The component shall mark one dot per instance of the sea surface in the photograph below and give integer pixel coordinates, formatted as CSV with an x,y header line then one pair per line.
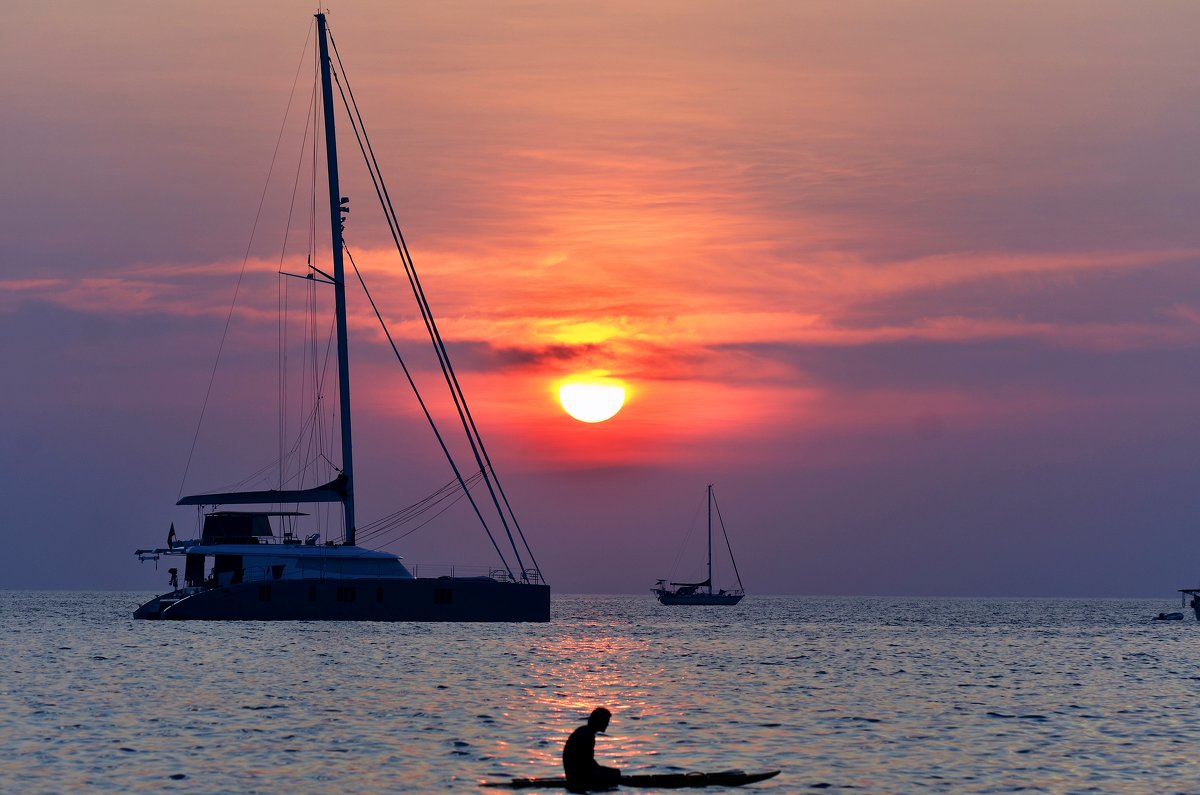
x,y
864,695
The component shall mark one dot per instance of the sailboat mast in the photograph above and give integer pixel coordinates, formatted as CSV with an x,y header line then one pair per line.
x,y
710,538
339,281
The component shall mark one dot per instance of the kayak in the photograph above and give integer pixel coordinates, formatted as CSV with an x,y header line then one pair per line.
x,y
725,778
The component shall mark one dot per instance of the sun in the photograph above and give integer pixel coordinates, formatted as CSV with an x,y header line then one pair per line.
x,y
592,398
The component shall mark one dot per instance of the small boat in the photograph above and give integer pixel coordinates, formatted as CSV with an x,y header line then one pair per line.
x,y
1169,617
702,593
240,568
725,778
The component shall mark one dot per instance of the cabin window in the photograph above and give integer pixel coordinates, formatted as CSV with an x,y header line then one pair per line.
x,y
379,595
443,596
264,593
347,593
312,593
277,571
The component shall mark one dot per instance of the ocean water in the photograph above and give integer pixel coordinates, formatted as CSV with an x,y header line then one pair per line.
x,y
858,695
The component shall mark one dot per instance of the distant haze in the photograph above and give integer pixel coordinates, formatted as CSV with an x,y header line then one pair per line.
x,y
915,285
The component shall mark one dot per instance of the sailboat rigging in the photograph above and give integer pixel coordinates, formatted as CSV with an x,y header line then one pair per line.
x,y
258,575
702,593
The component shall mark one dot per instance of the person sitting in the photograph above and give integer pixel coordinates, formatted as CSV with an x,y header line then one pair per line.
x,y
579,756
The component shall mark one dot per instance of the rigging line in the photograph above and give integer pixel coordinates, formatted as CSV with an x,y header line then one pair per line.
x,y
686,539
727,546
412,512
304,440
261,471
424,408
320,431
381,191
312,370
426,314
258,473
428,416
304,435
316,437
294,452
245,259
281,294
389,524
468,421
283,333
409,511
319,379
418,527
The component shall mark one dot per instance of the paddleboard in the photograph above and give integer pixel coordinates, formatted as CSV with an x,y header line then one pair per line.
x,y
725,778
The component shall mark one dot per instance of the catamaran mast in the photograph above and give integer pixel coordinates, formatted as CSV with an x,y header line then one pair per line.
x,y
339,281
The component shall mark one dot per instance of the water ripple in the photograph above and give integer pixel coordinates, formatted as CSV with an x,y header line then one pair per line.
x,y
872,695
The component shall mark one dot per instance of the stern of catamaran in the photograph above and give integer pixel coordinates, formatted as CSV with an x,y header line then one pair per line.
x,y
1194,602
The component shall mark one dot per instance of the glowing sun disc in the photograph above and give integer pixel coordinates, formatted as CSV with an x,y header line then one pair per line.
x,y
591,402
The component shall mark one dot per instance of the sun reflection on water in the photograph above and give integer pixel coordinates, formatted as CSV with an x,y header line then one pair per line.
x,y
578,673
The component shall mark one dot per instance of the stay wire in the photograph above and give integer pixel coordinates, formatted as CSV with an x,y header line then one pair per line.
x,y
472,433
422,524
727,546
418,293
405,514
463,410
283,287
686,539
424,408
241,274
384,526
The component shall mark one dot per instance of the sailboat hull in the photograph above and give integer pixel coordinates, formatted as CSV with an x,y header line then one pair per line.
x,y
421,599
669,598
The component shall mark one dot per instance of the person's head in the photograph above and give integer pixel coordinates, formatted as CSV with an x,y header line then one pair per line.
x,y
599,718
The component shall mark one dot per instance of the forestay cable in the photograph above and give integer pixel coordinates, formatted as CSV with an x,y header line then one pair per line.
x,y
470,429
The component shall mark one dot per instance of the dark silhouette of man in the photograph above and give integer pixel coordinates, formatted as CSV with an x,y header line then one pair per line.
x,y
579,756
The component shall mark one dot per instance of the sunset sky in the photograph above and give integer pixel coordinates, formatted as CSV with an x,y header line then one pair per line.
x,y
916,285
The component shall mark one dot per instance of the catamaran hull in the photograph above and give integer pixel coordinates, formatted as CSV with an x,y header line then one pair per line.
x,y
441,599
